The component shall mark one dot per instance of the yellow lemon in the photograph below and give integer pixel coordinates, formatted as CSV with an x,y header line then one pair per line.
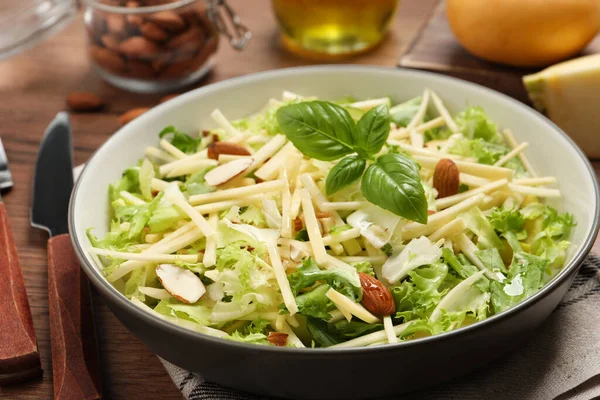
x,y
525,33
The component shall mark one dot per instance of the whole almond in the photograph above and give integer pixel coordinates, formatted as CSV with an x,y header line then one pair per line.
x,y
234,149
140,69
84,101
278,338
130,115
153,32
187,42
377,298
446,178
137,46
110,42
107,59
168,97
116,24
168,20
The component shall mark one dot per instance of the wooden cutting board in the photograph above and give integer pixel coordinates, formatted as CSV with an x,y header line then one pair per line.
x,y
436,50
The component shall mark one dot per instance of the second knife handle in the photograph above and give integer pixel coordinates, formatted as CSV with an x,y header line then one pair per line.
x,y
19,357
75,363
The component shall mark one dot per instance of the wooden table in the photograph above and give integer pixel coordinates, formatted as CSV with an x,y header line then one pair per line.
x,y
33,87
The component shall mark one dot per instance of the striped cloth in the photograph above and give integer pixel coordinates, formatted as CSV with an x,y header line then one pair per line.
x,y
562,362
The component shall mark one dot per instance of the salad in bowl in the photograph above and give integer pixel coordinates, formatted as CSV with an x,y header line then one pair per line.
x,y
333,224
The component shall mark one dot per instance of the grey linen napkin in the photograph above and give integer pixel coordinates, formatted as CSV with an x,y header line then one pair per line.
x,y
562,362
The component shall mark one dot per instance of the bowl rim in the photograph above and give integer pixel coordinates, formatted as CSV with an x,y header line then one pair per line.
x,y
109,290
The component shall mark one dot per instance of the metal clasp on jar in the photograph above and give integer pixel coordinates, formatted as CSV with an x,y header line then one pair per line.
x,y
228,23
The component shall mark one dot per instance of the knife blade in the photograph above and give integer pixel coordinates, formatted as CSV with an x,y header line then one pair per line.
x,y
75,364
19,355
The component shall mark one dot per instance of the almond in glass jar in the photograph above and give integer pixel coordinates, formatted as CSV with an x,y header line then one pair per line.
x,y
155,45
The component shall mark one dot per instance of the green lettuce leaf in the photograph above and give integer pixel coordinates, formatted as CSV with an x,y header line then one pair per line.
x,y
181,140
341,280
315,303
129,182
474,123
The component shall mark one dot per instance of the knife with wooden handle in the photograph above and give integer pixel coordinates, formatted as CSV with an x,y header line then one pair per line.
x,y
19,356
75,364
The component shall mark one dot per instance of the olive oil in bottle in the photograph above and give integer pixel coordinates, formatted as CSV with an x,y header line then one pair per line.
x,y
333,28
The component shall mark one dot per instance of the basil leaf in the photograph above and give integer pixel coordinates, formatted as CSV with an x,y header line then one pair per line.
x,y
373,129
319,129
393,183
345,172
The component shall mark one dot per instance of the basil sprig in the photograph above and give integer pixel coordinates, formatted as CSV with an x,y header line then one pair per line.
x,y
326,131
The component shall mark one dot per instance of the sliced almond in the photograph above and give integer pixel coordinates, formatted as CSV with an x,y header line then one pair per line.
x,y
218,148
278,338
181,283
446,178
297,254
298,224
226,172
377,298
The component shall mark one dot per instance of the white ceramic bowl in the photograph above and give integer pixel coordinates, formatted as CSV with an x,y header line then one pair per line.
x,y
551,152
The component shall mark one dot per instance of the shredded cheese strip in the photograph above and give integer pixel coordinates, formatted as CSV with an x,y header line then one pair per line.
x,y
534,191
292,338
511,154
146,256
469,249
437,220
439,105
472,180
482,170
336,315
431,124
158,154
290,96
286,204
371,338
452,228
225,158
426,153
210,251
512,142
457,198
224,123
342,236
226,204
346,305
343,205
174,195
281,277
546,180
371,259
295,206
168,245
388,326
312,227
131,199
181,322
318,196
366,105
260,156
270,169
418,118
352,247
237,193
416,139
192,167
174,151
166,168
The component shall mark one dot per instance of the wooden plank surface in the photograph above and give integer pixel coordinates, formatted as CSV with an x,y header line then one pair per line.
x,y
33,87
437,50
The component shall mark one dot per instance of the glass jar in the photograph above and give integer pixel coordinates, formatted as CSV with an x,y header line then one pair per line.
x,y
325,29
151,46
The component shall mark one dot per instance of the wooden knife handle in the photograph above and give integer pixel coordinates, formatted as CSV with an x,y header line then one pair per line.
x,y
75,363
19,357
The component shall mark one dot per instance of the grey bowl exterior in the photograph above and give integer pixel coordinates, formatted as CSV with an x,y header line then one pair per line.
x,y
372,372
